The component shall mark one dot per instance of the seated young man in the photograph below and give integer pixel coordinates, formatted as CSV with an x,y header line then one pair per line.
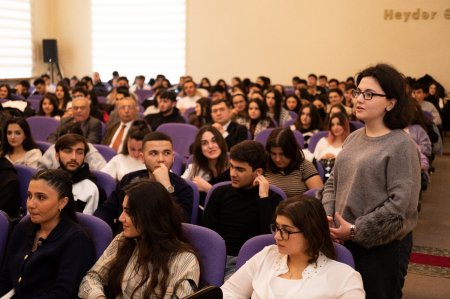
x,y
158,155
245,208
221,114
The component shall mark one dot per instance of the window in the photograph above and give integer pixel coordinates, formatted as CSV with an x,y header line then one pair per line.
x,y
15,39
139,37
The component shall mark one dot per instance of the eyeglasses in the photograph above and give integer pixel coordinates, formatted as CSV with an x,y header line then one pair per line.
x,y
284,233
367,95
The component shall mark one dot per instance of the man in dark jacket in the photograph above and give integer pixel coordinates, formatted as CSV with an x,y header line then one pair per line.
x,y
168,113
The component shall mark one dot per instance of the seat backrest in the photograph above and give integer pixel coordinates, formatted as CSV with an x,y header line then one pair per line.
x,y
142,94
41,126
312,192
4,233
107,182
211,250
177,165
195,202
294,115
188,112
107,152
357,124
43,145
35,100
262,136
215,186
314,139
99,231
182,135
253,246
256,244
24,173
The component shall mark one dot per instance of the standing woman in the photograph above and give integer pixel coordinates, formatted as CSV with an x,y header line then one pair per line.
x,y
48,253
373,191
150,256
49,107
19,146
257,119
274,102
210,160
287,167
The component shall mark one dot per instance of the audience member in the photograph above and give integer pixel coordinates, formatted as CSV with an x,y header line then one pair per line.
x,y
292,103
301,264
152,257
336,97
202,115
49,252
168,112
130,158
9,187
274,102
40,88
419,94
158,158
308,122
18,145
5,92
139,84
287,167
257,119
239,110
49,86
48,107
71,151
63,95
373,198
245,208
190,96
22,89
221,116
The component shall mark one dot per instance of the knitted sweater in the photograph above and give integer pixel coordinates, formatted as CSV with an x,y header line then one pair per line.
x,y
375,184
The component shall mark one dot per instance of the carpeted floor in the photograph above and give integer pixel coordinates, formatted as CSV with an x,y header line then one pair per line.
x,y
430,261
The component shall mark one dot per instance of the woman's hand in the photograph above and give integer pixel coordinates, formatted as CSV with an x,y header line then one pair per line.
x,y
341,233
202,185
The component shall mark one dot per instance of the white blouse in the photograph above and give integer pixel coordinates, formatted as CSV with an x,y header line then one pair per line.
x,y
121,165
323,148
259,278
31,158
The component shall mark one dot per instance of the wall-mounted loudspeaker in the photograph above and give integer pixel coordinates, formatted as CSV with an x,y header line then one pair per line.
x,y
50,49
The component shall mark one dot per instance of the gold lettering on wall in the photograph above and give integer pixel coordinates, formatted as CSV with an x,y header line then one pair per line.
x,y
415,15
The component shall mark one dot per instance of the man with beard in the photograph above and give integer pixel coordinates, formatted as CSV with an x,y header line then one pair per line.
x,y
71,150
168,113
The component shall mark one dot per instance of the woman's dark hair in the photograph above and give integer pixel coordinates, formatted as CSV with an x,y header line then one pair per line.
x,y
316,121
221,82
308,215
60,181
297,107
327,117
394,87
262,109
137,131
284,138
65,87
278,104
53,100
28,142
8,95
206,86
158,220
200,162
205,116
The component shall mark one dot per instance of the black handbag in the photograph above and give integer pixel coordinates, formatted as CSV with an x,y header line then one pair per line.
x,y
208,292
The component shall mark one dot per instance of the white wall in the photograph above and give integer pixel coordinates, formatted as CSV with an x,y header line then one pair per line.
x,y
279,39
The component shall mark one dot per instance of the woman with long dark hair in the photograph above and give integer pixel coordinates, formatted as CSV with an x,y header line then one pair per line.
x,y
257,119
308,122
49,252
274,102
48,106
18,145
302,264
202,115
150,256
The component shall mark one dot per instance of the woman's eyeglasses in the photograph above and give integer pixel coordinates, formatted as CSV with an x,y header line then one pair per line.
x,y
284,233
367,95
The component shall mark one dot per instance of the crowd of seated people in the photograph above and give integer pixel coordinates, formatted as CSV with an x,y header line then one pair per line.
x,y
228,118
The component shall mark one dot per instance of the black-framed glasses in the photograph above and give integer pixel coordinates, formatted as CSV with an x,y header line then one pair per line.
x,y
367,95
284,233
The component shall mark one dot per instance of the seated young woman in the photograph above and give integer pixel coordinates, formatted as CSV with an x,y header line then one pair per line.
x,y
202,114
308,122
257,119
49,252
330,146
274,102
18,144
48,107
130,159
302,264
150,256
287,167
209,161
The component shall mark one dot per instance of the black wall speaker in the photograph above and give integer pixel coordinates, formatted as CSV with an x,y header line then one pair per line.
x,y
50,50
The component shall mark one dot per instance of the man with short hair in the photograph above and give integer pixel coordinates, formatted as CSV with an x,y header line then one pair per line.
x,y
39,87
221,114
115,133
158,155
168,112
49,86
419,93
190,96
336,97
245,208
71,151
139,84
92,128
98,87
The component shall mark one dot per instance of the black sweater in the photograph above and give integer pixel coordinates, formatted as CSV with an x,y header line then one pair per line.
x,y
9,188
239,214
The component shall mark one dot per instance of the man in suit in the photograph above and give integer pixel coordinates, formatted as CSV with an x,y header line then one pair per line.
x,y
91,127
115,133
221,113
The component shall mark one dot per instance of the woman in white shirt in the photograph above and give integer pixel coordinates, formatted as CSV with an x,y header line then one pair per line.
x,y
130,159
19,146
302,263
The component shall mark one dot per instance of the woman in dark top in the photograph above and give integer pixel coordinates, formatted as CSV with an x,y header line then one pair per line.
x,y
48,253
202,115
